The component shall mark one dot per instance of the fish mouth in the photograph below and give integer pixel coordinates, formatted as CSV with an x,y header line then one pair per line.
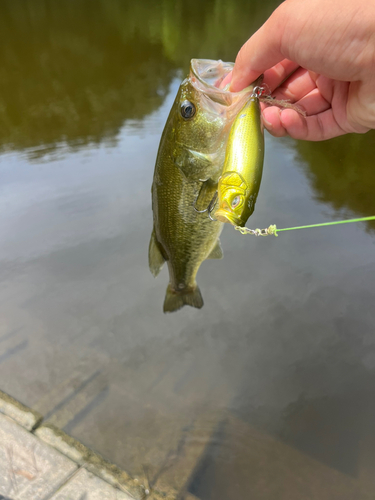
x,y
206,76
223,215
209,72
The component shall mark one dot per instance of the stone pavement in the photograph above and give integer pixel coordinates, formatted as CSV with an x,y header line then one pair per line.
x,y
39,462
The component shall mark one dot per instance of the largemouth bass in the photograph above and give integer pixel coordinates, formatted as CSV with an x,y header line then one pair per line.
x,y
243,165
188,166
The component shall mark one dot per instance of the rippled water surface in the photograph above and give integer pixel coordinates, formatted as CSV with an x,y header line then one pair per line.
x,y
266,392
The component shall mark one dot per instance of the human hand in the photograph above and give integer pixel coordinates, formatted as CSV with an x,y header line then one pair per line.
x,y
320,56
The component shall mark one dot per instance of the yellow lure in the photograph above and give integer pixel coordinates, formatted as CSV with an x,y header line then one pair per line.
x,y
243,165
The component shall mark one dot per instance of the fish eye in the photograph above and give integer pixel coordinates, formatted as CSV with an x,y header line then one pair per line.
x,y
236,201
187,110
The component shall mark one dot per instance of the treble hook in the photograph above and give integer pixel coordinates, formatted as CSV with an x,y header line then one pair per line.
x,y
195,208
209,208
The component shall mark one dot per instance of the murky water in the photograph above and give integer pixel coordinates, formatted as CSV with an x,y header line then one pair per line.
x,y
265,393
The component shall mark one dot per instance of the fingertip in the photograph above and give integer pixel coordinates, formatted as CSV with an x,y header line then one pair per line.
x,y
226,80
242,79
294,123
272,121
267,124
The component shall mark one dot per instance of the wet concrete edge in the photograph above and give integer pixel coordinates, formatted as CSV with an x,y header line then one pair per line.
x,y
24,416
73,449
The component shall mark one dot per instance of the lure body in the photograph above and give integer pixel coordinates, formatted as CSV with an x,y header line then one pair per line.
x,y
243,165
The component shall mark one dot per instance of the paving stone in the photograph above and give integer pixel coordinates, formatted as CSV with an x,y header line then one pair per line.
x,y
82,455
29,419
87,486
29,468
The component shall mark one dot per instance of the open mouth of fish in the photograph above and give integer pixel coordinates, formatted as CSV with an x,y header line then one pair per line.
x,y
206,76
211,72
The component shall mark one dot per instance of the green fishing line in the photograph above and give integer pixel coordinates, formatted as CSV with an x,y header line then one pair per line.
x,y
273,229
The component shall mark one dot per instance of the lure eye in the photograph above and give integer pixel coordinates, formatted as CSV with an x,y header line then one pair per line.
x,y
236,201
187,110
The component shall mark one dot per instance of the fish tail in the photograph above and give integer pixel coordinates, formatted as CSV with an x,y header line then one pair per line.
x,y
175,300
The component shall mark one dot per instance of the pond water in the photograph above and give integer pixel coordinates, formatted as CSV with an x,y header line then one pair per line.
x,y
266,392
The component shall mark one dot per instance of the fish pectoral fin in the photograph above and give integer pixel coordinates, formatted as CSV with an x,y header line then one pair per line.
x,y
175,300
155,256
206,158
206,194
196,165
216,252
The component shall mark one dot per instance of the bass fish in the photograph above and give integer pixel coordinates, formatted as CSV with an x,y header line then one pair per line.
x,y
243,165
188,167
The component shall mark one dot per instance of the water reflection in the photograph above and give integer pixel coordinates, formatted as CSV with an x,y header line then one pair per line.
x,y
267,391
342,174
75,73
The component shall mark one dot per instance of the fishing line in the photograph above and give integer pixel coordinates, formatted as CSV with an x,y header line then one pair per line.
x,y
273,229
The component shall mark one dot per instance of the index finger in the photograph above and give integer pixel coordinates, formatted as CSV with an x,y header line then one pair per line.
x,y
277,75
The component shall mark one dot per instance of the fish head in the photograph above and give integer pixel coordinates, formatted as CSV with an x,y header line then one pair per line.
x,y
203,113
236,199
198,121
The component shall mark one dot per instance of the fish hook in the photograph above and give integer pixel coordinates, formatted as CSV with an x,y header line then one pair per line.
x,y
195,208
210,206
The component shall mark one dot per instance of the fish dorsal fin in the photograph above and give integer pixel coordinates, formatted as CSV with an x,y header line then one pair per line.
x,y
155,256
216,252
206,193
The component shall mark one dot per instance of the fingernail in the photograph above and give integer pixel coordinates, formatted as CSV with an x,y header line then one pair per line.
x,y
267,124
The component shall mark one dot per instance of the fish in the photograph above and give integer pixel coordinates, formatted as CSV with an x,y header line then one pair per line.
x,y
241,176
188,166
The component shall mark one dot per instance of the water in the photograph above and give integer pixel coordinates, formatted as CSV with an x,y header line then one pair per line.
x,y
267,392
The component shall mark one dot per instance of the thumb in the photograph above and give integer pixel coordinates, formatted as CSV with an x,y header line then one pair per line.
x,y
259,53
